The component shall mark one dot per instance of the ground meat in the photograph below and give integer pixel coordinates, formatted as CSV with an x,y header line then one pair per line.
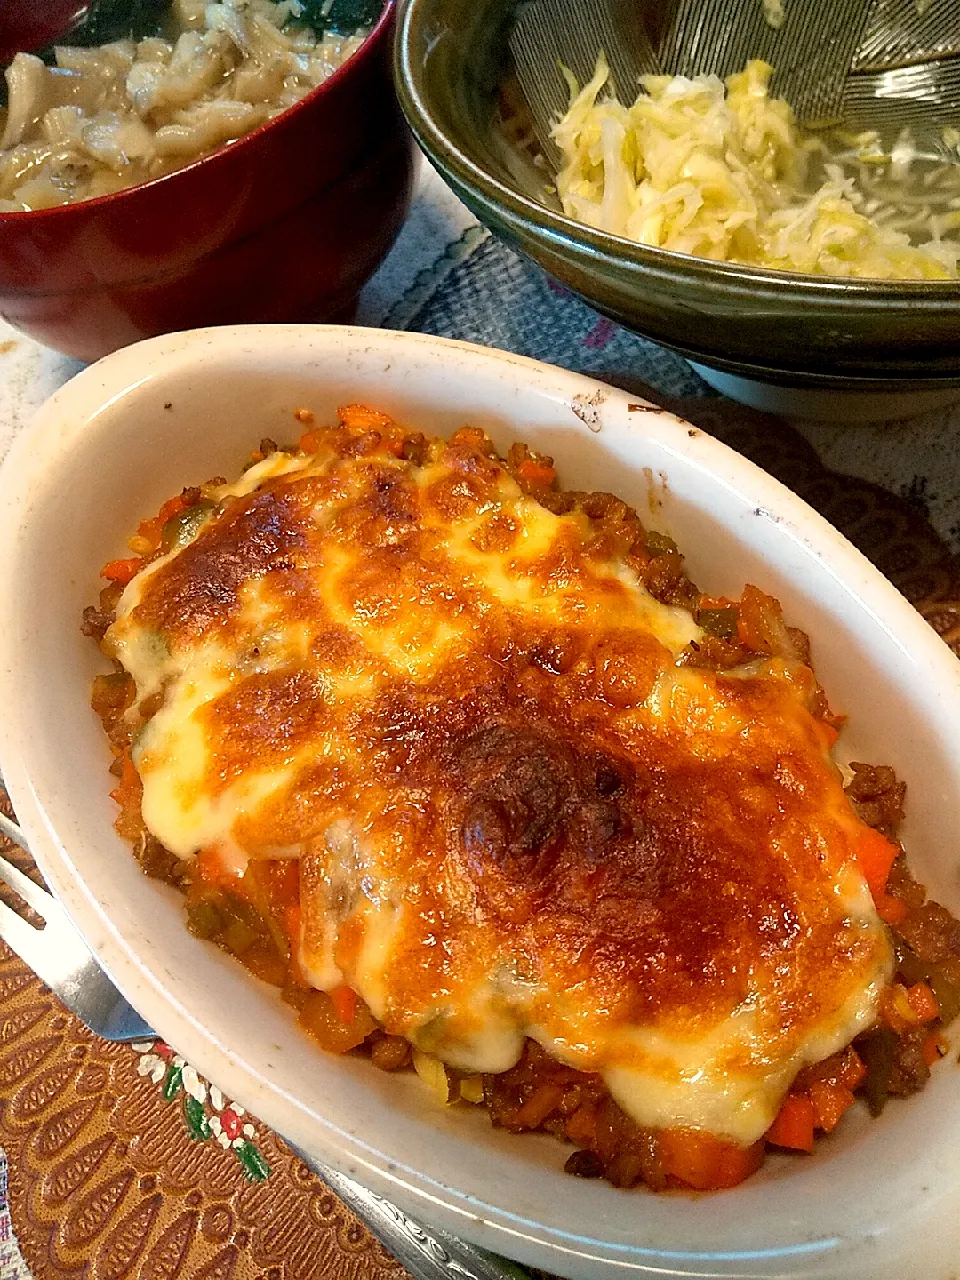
x,y
157,861
95,623
932,932
415,449
902,885
584,1164
909,1072
801,644
389,1053
877,796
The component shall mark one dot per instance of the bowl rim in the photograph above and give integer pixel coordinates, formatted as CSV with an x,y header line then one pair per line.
x,y
97,204
458,165
47,441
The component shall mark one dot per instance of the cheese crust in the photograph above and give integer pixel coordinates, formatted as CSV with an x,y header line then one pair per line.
x,y
517,811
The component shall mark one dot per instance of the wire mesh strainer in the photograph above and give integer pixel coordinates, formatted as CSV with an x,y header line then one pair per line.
x,y
884,65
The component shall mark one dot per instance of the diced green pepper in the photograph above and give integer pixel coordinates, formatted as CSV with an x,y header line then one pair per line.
x,y
184,526
914,970
877,1049
204,919
658,544
721,623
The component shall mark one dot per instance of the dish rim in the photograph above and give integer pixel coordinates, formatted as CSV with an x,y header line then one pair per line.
x,y
49,436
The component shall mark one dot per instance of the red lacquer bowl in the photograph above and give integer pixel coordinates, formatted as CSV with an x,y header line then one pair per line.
x,y
285,224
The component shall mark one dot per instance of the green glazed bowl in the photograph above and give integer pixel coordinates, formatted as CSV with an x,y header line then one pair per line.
x,y
812,332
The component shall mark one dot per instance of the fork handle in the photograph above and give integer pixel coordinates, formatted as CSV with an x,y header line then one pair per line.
x,y
427,1255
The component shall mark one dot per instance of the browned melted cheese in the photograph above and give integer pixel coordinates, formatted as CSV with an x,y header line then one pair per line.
x,y
515,813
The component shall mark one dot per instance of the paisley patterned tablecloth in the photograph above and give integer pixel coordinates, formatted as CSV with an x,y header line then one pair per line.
x,y
120,1162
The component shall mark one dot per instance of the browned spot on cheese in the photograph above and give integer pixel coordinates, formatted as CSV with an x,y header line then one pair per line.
x,y
256,537
267,717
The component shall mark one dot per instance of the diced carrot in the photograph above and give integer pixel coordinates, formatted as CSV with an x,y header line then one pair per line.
x,y
130,787
344,1001
851,1072
152,529
309,442
794,1124
875,856
172,507
291,923
891,910
469,435
923,1002
704,1162
932,1048
581,1127
209,870
896,1010
532,1113
830,1101
361,417
122,571
736,1164
538,474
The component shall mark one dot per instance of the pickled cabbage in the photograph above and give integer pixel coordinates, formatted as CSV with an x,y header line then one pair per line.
x,y
719,169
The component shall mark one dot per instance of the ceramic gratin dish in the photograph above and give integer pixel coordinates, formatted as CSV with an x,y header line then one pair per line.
x,y
880,1198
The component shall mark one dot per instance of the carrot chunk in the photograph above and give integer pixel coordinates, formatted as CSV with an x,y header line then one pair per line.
x,y
851,1072
891,910
923,1002
794,1124
581,1127
875,856
122,571
362,418
535,1109
539,475
344,1001
830,1101
704,1162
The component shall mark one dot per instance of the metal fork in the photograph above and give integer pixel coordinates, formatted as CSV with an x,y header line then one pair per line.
x,y
59,956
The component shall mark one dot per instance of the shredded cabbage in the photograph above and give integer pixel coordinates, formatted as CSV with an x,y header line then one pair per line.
x,y
719,169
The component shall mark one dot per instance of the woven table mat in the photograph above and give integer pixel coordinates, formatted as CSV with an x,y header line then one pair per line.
x,y
105,1179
